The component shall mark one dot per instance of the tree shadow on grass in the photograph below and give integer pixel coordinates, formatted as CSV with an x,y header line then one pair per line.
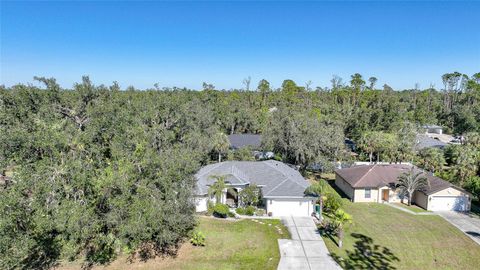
x,y
474,234
329,235
367,255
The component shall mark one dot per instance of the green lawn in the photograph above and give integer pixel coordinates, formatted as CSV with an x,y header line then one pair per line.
x,y
243,244
412,207
386,238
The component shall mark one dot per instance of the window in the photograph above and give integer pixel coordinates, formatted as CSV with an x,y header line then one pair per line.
x,y
368,193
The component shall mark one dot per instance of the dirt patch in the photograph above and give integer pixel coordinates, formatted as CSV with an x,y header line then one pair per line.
x,y
122,263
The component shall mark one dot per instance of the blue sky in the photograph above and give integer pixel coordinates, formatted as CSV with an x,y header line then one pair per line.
x,y
187,43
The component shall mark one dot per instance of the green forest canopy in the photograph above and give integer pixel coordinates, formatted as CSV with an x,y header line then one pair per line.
x,y
97,171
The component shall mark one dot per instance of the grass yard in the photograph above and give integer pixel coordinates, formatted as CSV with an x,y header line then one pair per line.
x,y
243,244
386,238
413,208
312,177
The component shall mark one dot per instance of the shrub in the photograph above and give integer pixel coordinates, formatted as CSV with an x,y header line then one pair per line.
x,y
221,210
327,227
244,153
250,210
210,207
260,212
473,185
250,195
230,214
247,211
240,211
332,202
198,238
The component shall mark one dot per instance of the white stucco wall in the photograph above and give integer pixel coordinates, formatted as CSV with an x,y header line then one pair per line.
x,y
360,195
449,192
394,197
290,206
344,186
201,203
420,199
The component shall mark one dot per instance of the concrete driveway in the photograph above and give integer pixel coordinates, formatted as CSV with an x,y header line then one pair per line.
x,y
467,223
306,250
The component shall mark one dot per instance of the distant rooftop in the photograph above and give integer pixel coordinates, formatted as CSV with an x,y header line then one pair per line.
x,y
424,141
243,140
431,126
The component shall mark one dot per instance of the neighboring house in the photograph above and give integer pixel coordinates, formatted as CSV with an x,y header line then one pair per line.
x,y
433,129
282,187
378,183
238,141
424,141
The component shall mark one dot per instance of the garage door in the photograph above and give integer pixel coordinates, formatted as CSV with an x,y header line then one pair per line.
x,y
290,208
448,203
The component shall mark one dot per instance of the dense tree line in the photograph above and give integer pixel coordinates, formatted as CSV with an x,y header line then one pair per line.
x,y
96,171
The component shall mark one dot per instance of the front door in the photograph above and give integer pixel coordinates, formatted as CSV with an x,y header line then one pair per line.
x,y
385,194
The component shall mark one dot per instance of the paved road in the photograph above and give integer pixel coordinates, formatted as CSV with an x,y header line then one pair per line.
x,y
468,224
306,250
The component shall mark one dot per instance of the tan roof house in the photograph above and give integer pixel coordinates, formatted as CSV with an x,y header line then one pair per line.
x,y
378,183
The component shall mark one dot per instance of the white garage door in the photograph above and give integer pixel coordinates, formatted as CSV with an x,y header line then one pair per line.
x,y
448,203
280,208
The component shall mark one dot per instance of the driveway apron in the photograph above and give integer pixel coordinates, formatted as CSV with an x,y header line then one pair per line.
x,y
468,224
306,250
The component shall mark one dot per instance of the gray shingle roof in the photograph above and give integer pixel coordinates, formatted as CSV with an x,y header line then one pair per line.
x,y
242,140
276,178
431,126
424,141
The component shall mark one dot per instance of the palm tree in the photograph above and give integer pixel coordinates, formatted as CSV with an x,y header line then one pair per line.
x,y
432,159
221,144
340,219
465,163
410,182
376,142
318,189
367,143
216,189
473,138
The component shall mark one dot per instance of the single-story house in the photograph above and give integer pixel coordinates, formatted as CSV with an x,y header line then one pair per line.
x,y
433,129
378,183
282,187
238,141
424,141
